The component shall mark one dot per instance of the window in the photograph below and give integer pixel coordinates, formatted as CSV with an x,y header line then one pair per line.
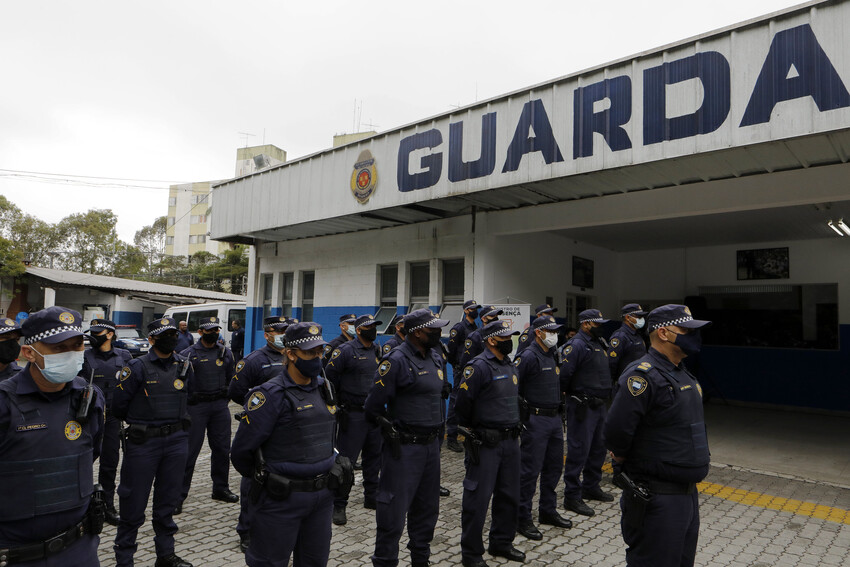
x,y
195,318
197,219
170,221
420,275
308,280
197,239
388,296
169,241
172,201
198,199
287,280
267,295
452,292
236,315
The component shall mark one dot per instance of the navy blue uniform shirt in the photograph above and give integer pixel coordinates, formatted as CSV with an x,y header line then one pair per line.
x,y
132,383
256,368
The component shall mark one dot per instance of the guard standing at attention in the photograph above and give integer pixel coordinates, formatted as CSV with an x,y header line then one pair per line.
x,y
351,370
542,435
398,324
626,342
10,348
184,337
474,343
346,327
285,443
214,366
586,378
257,368
457,336
527,338
51,424
152,398
237,339
103,362
656,434
488,407
407,402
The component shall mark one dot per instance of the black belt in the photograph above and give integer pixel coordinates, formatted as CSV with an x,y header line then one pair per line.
x,y
545,412
52,546
164,430
352,407
418,438
666,487
208,396
501,434
306,485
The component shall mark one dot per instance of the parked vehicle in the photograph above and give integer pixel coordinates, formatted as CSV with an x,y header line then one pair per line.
x,y
130,338
227,311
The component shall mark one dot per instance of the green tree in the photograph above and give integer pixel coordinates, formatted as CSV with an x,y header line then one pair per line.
x,y
11,259
89,242
130,261
150,240
35,239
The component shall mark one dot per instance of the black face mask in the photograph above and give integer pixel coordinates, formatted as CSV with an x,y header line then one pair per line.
x,y
9,351
166,344
209,339
369,333
472,313
505,347
595,332
309,368
690,344
432,338
98,340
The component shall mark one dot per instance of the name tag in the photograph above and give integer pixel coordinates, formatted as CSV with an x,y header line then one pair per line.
x,y
303,408
685,387
204,359
546,368
423,372
31,427
500,377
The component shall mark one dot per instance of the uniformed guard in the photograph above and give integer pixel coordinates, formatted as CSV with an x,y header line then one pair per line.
x,y
457,336
151,397
407,402
346,327
351,370
542,434
10,348
285,443
103,363
51,424
488,413
185,339
527,338
656,434
586,378
237,339
214,367
474,343
627,342
398,324
258,367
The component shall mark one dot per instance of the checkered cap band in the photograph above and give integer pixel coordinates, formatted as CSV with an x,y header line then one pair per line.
x,y
296,342
51,333
209,325
160,330
672,322
496,334
422,326
102,326
594,320
368,323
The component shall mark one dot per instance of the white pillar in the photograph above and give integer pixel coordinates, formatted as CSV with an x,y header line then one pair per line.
x,y
49,297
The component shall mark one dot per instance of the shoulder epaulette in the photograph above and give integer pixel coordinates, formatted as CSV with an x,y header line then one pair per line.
x,y
643,367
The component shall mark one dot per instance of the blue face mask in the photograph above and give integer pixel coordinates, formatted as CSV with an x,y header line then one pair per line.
x,y
690,344
61,368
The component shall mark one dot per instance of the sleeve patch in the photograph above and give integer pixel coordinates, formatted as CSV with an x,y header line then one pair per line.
x,y
453,333
615,343
384,368
467,372
125,373
516,361
467,343
568,349
637,385
387,348
327,349
336,353
240,365
257,400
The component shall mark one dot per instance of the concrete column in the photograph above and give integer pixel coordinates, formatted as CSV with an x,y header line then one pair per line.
x,y
49,297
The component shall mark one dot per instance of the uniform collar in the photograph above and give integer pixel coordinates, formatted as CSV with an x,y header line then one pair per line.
x,y
104,355
288,381
469,325
628,329
662,361
162,361
488,354
540,350
412,349
587,337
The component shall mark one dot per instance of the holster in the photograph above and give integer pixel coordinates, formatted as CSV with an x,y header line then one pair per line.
x,y
636,498
342,417
473,448
341,476
258,480
97,511
524,414
137,433
393,439
581,407
279,487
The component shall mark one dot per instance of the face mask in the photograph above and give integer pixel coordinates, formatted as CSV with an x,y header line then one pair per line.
x,y
594,332
690,343
505,347
165,345
349,330
209,338
473,313
309,368
432,338
97,340
369,333
63,367
278,342
639,323
551,340
9,351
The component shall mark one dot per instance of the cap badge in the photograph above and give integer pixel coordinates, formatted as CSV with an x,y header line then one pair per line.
x,y
505,324
688,311
313,330
66,317
163,321
283,319
9,323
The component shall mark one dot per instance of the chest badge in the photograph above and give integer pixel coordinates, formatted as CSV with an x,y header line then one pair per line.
x,y
515,380
178,384
73,430
331,409
440,374
219,362
637,385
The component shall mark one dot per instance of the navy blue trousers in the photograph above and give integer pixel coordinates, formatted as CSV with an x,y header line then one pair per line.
x,y
209,420
361,436
451,418
496,476
301,524
109,455
669,534
543,458
409,486
157,463
585,450
81,553
243,524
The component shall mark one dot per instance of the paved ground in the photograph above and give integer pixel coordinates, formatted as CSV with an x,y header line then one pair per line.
x,y
749,518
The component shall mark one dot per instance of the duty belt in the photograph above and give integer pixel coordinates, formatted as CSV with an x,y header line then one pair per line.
x,y
52,546
158,430
656,486
419,438
500,434
304,485
544,412
208,396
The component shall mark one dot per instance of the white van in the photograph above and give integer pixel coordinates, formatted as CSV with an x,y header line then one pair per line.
x,y
227,311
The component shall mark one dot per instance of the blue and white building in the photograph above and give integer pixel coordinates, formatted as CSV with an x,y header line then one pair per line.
x,y
706,171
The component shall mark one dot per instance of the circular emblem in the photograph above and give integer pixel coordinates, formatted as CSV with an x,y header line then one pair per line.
x,y
688,311
240,365
439,374
124,373
9,323
66,318
178,384
313,330
364,177
283,319
73,430
453,333
515,380
505,324
384,368
256,401
218,362
331,409
163,321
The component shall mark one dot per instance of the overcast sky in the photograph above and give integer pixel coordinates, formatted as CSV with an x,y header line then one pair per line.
x,y
160,91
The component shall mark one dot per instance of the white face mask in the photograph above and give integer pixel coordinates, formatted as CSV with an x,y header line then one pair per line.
x,y
63,367
639,323
551,340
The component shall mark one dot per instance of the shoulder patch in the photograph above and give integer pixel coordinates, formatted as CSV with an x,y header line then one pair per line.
x,y
256,401
467,372
240,365
327,349
386,348
615,343
516,361
644,366
524,336
384,368
636,384
453,333
568,349
125,373
336,353
467,343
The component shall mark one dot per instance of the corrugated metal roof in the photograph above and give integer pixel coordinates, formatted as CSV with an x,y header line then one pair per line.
x,y
121,284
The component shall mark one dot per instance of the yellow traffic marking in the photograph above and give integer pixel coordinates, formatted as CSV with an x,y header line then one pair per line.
x,y
769,502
